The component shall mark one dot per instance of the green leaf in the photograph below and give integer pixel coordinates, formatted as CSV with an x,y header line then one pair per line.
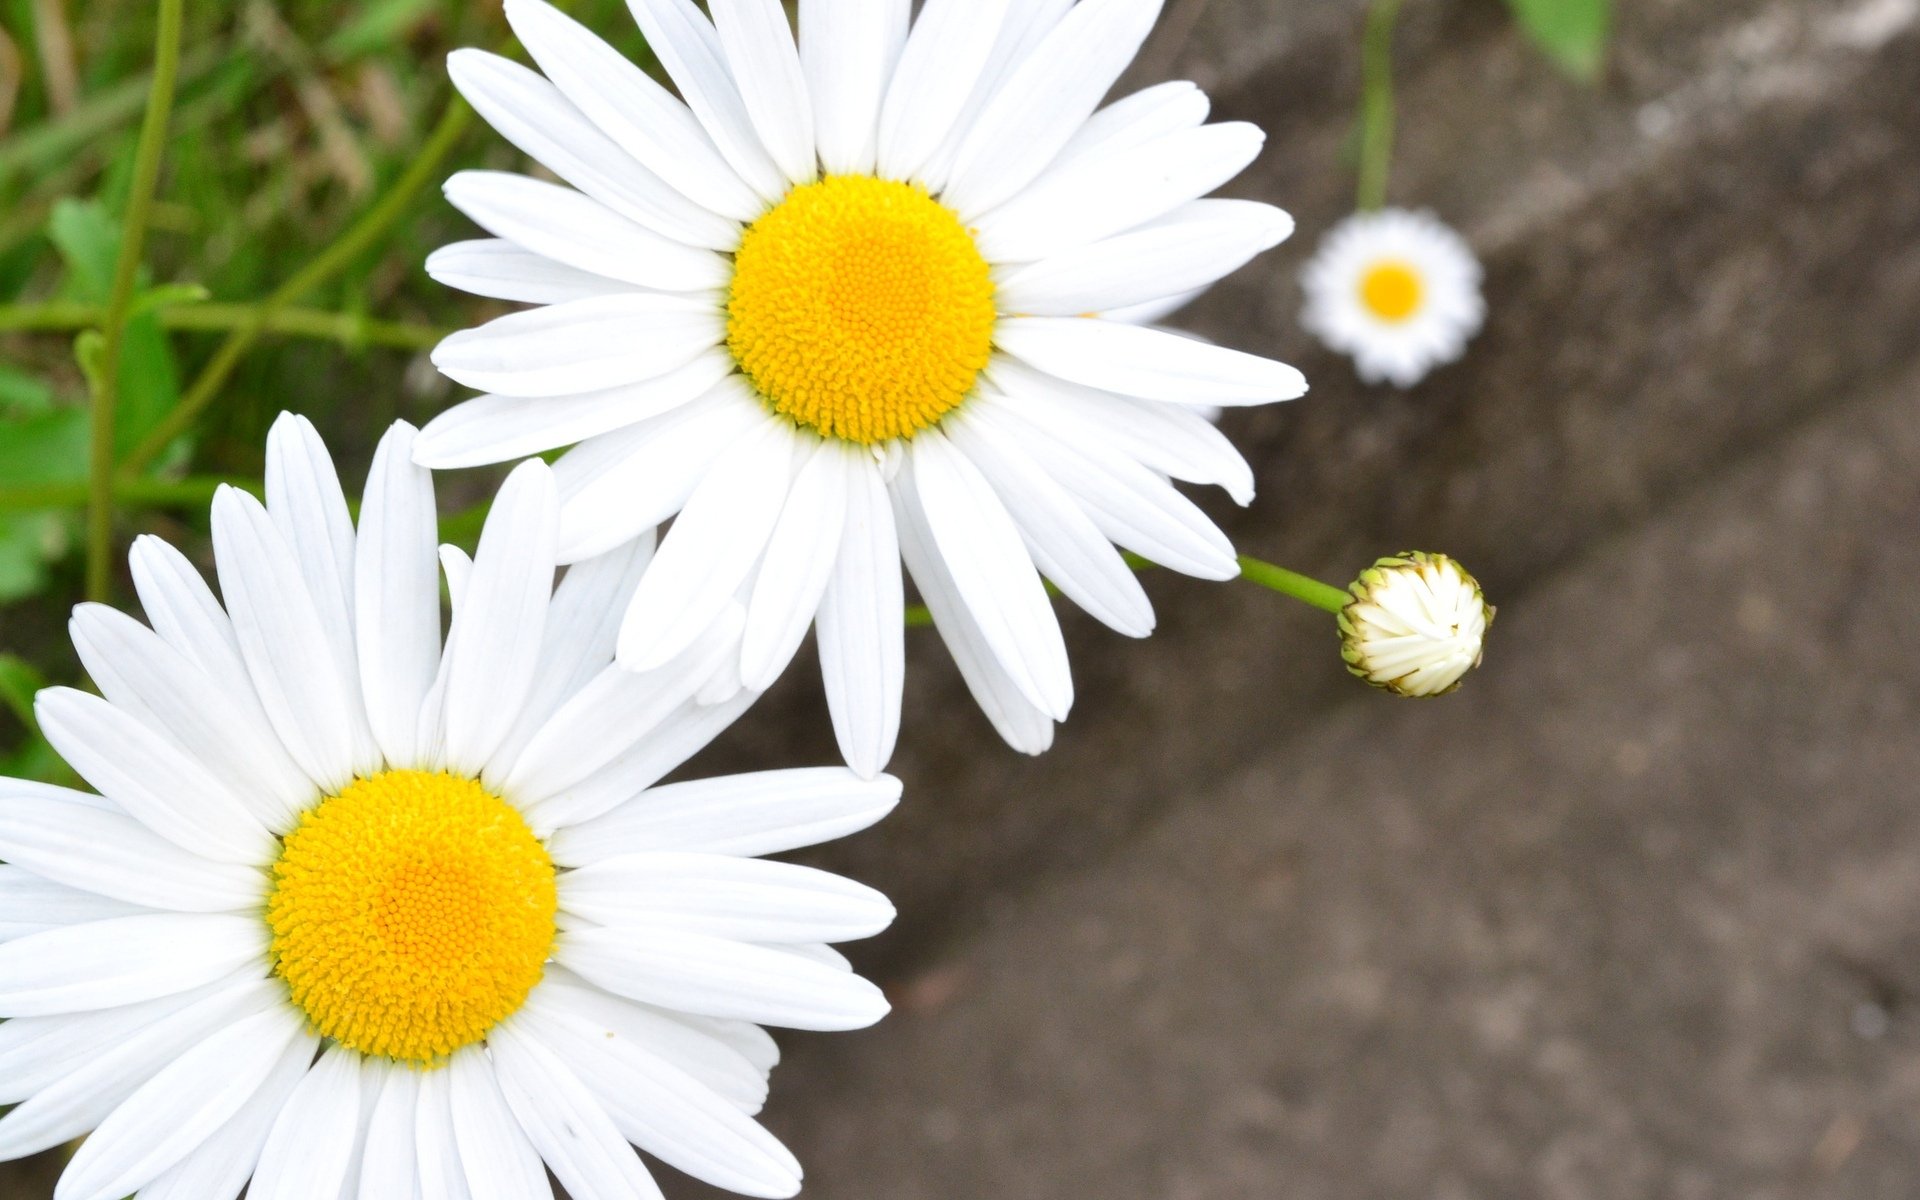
x,y
23,395
49,447
1573,33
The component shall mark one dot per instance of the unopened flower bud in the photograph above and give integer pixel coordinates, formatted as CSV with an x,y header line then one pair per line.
x,y
1415,624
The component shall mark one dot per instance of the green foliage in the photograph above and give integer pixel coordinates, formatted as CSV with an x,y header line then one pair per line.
x,y
1573,33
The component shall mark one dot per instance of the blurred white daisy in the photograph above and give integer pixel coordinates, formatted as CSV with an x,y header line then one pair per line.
x,y
1416,625
1398,291
358,915
880,294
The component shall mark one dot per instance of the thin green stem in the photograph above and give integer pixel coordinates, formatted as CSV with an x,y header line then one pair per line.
x,y
192,492
371,226
126,275
1304,588
1376,105
348,329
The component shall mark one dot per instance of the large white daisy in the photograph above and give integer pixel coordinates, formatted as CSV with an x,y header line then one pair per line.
x,y
875,295
1398,291
358,915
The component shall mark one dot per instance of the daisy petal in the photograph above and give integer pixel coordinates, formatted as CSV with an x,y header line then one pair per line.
x,y
1027,25
684,733
1149,363
793,575
397,595
1189,248
848,49
690,49
184,612
151,778
31,904
766,813
220,1166
716,977
38,1052
493,429
189,1101
712,547
991,570
1130,121
765,66
69,838
1047,99
125,960
943,57
436,1147
703,1047
581,232
1025,727
390,1165
1097,196
533,115
499,269
568,1127
747,899
861,625
308,1152
1066,545
500,1163
584,346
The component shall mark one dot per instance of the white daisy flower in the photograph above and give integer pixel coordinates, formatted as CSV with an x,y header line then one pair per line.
x,y
358,915
1416,625
880,294
1397,290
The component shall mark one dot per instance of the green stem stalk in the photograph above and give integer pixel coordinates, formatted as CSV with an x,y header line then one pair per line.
x,y
189,493
1376,105
126,275
371,226
348,329
1304,588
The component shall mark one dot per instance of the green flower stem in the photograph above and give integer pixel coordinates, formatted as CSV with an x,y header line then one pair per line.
x,y
1304,588
126,275
190,493
346,328
1376,105
363,233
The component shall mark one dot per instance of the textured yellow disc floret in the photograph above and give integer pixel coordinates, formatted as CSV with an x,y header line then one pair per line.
x,y
1392,291
411,914
861,308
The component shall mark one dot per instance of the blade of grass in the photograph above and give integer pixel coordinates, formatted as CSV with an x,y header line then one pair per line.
x,y
348,329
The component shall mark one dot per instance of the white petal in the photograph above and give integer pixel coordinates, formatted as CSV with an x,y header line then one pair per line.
x,y
848,49
1027,25
124,960
1066,545
569,1128
500,1163
1188,248
1172,439
308,1153
492,429
711,548
765,66
32,904
690,50
766,813
494,647
152,778
1097,196
943,57
168,692
861,625
189,1101
96,1081
709,1050
533,115
184,612
397,595
672,742
1048,98
69,838
581,232
991,570
1133,120
1132,505
666,1111
437,1149
793,575
742,898
1154,311
38,1052
284,641
585,346
649,122
1149,363
497,268
389,1169
220,1166
719,978
818,952
616,487
1025,727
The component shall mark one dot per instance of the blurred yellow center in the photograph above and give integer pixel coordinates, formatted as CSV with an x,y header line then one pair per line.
x,y
860,308
411,914
1391,291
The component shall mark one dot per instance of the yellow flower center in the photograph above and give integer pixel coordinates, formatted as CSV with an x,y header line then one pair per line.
x,y
411,914
860,308
1392,291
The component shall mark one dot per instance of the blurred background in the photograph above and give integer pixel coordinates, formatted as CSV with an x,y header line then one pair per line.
x,y
1635,914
